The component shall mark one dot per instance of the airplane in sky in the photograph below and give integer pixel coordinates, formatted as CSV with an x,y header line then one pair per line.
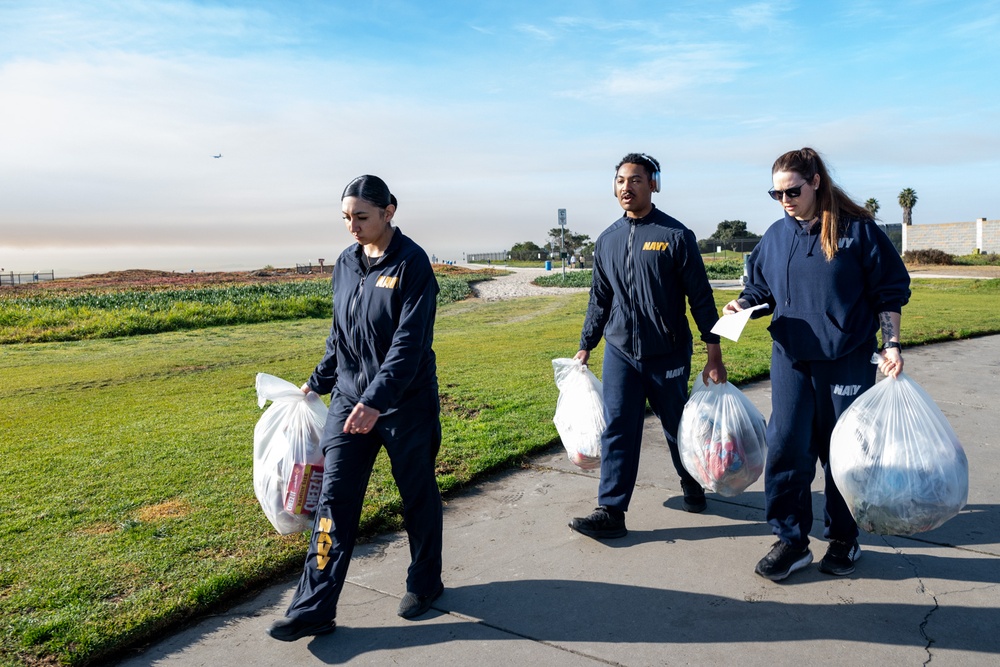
x,y
217,156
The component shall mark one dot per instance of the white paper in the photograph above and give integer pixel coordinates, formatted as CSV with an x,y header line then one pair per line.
x,y
731,326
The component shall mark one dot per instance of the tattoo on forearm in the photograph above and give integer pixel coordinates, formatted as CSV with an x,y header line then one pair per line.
x,y
888,331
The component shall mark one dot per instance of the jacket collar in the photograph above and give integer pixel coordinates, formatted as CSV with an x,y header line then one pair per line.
x,y
394,244
653,212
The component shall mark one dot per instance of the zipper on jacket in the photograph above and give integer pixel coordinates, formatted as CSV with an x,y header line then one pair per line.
x,y
359,378
630,278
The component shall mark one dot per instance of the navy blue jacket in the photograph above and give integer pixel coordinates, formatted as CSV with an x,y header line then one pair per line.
x,y
643,270
824,310
379,349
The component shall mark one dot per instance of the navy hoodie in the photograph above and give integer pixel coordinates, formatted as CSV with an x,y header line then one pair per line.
x,y
820,309
379,349
643,269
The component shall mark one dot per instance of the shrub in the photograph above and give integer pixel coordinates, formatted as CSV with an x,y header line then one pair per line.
x,y
929,256
727,269
573,278
983,259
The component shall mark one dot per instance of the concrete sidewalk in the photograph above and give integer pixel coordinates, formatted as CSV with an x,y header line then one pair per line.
x,y
522,589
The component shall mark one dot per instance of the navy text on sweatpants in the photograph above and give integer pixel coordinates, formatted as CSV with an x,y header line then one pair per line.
x,y
628,383
807,397
412,437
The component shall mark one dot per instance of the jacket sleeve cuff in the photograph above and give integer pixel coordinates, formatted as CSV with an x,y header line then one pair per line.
x,y
890,307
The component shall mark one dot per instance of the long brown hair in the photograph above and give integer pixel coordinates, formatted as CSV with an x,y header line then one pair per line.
x,y
832,203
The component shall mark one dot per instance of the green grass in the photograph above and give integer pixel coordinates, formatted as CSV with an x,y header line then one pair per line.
x,y
128,502
721,270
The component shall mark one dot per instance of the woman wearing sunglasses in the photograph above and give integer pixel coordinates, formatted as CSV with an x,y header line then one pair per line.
x,y
831,278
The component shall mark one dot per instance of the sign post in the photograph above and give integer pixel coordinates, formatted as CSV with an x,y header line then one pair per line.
x,y
562,241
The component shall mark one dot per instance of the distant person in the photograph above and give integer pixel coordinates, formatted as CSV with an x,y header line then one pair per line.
x,y
645,265
381,374
832,278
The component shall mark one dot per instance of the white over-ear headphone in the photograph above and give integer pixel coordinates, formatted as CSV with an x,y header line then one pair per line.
x,y
654,180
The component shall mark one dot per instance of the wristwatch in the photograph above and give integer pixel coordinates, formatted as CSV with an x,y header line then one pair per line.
x,y
892,343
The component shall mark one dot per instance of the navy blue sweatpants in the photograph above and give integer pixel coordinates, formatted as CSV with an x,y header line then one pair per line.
x,y
807,397
627,385
411,437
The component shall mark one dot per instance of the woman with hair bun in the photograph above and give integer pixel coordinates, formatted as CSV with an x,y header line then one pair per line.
x,y
381,374
832,278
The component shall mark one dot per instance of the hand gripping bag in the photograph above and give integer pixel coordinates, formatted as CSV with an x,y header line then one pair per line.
x,y
287,460
722,438
579,415
896,460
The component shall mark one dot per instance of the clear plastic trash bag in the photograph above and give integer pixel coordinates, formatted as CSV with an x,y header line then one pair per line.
x,y
287,460
722,438
579,415
897,461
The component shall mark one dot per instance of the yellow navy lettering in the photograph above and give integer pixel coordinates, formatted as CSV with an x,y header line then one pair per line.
x,y
655,245
323,543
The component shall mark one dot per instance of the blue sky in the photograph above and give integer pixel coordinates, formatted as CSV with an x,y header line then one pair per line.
x,y
484,118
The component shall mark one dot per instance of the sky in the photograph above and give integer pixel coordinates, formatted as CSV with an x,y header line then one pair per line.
x,y
484,118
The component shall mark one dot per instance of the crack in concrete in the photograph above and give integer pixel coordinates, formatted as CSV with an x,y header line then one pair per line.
x,y
929,641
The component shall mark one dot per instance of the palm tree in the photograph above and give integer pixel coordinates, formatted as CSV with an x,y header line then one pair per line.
x,y
872,206
907,200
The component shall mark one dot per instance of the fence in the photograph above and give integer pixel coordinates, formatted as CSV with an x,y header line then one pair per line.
x,y
310,268
486,256
743,245
20,278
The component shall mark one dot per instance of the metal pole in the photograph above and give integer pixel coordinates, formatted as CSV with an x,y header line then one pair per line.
x,y
562,241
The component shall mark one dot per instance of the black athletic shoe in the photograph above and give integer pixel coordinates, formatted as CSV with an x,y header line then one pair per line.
x,y
694,497
289,629
413,605
782,560
840,557
602,524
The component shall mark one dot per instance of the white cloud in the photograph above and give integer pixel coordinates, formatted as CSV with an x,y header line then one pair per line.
x,y
760,14
535,31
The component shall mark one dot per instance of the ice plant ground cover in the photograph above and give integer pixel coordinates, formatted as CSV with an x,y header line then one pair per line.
x,y
155,302
128,503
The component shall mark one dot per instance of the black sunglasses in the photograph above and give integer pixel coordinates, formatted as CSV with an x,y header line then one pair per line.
x,y
778,195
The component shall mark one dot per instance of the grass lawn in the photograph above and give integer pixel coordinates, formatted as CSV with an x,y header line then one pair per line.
x,y
128,501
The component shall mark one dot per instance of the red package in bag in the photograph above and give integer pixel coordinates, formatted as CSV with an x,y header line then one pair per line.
x,y
304,485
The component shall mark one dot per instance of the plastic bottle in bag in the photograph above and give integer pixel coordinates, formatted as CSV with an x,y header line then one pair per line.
x,y
287,460
722,438
579,417
896,460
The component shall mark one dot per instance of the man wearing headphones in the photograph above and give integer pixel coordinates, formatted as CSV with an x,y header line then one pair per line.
x,y
645,265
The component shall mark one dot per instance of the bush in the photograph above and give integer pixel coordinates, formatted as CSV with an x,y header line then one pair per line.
x,y
728,269
452,289
984,259
573,278
929,256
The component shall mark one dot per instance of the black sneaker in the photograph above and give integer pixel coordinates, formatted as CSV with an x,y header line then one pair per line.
x,y
840,557
782,560
289,629
602,524
413,605
694,497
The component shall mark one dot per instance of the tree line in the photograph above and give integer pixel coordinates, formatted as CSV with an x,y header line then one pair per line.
x,y
730,234
573,244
